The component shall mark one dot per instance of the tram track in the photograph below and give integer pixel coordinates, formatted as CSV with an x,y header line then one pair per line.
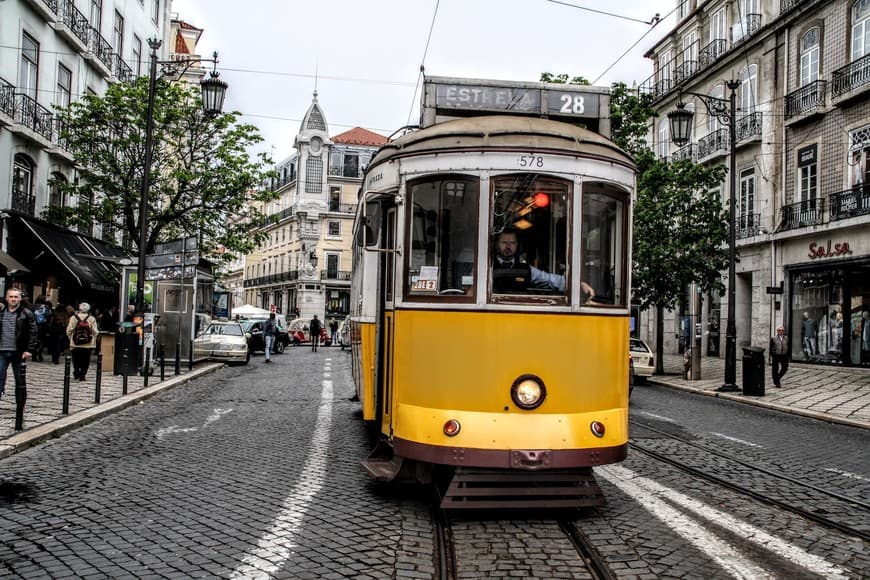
x,y
445,556
825,507
593,559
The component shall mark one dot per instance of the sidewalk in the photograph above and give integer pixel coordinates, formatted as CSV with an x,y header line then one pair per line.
x,y
837,395
42,413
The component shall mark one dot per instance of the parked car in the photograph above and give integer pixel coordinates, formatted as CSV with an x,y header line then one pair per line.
x,y
344,334
257,341
298,330
641,360
225,341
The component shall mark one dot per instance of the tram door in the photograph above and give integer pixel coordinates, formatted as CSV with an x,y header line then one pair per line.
x,y
388,337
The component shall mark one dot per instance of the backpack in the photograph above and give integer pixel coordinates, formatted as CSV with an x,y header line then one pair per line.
x,y
39,313
82,333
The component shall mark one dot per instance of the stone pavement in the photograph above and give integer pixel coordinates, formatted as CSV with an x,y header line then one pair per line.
x,y
43,417
834,394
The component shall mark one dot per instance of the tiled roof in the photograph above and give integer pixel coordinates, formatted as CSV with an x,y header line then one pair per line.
x,y
360,136
180,45
187,26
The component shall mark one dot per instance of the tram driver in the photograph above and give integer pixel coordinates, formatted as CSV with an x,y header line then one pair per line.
x,y
511,275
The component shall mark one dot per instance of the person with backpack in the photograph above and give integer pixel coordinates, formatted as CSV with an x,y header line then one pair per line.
x,y
42,314
82,332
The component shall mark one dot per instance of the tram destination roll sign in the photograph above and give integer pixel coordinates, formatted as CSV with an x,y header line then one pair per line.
x,y
553,102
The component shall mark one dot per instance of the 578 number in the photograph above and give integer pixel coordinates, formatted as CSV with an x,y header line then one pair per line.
x,y
531,161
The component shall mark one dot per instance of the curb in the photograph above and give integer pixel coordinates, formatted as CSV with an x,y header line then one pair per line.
x,y
759,403
53,429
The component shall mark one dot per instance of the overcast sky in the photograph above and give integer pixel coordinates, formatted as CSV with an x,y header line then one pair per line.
x,y
365,56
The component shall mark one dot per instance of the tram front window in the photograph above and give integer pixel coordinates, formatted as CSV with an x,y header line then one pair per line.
x,y
443,231
530,234
603,248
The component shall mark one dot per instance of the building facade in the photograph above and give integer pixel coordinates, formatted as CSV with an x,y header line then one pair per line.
x,y
55,52
304,266
801,72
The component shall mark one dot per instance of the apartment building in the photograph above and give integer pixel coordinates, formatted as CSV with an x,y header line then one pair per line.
x,y
304,267
799,71
55,51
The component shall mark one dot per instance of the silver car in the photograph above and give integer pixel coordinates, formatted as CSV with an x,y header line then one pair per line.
x,y
642,360
224,341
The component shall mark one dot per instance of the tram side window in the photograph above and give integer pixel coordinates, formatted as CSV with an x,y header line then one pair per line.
x,y
603,244
443,231
529,235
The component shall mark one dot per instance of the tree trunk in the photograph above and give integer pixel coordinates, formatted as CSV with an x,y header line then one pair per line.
x,y
660,340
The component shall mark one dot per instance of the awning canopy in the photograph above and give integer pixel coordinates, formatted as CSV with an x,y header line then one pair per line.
x,y
79,258
11,265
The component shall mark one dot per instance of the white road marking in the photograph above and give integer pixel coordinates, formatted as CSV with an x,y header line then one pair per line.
x,y
276,545
846,474
736,440
217,414
650,494
653,416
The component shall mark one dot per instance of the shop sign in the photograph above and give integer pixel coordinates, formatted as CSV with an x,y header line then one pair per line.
x,y
807,155
829,251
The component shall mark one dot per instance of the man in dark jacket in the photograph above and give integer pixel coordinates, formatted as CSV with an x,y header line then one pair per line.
x,y
314,332
18,339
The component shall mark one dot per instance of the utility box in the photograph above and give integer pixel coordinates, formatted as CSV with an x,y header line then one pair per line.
x,y
753,371
107,349
127,337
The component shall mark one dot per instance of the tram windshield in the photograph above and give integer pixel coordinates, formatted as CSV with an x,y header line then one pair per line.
x,y
603,245
443,236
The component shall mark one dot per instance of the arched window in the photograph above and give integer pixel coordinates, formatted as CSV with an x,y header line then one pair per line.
x,y
860,29
56,191
22,184
810,56
748,88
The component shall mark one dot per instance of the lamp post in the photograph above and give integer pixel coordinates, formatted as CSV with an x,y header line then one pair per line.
x,y
213,93
680,121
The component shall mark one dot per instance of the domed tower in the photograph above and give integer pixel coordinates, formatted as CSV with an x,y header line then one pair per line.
x,y
313,146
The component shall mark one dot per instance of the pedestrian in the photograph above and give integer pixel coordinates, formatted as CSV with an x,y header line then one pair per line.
x,y
41,313
82,332
778,356
333,331
57,339
314,329
109,321
18,339
269,330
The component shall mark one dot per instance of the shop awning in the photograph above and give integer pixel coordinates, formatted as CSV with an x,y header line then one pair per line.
x,y
11,265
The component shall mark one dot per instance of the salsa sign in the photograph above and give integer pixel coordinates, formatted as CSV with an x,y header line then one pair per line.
x,y
829,250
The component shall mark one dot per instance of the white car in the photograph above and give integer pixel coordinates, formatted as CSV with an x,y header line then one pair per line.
x,y
641,360
225,341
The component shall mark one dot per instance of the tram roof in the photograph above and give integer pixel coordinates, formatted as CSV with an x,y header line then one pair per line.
x,y
503,131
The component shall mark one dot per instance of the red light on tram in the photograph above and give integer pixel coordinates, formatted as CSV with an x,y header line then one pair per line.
x,y
597,428
541,199
451,428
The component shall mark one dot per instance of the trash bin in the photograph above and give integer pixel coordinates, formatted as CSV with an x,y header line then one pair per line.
x,y
128,338
107,349
753,371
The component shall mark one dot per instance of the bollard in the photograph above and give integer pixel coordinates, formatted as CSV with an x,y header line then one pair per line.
x,y
162,362
190,358
99,381
67,363
178,358
20,396
146,370
124,372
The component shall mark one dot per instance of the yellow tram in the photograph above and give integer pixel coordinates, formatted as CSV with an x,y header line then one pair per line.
x,y
503,380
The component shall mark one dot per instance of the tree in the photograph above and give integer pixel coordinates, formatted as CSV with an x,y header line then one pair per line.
x,y
680,228
203,182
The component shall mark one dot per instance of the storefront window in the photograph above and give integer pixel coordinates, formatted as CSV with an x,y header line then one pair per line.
x,y
816,312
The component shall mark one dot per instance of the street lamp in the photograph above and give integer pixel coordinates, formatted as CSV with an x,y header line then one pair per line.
x,y
680,121
213,92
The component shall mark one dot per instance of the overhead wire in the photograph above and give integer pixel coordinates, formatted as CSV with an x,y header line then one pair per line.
x,y
423,60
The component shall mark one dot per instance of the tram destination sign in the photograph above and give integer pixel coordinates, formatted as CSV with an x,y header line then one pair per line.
x,y
568,102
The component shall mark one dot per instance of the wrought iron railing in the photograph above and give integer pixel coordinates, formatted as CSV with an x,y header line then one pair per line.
x,y
24,201
714,142
748,225
101,48
33,115
685,69
689,152
711,52
7,97
810,212
753,24
342,207
121,69
343,171
805,99
75,21
852,76
58,137
51,4
749,126
787,5
850,203
335,275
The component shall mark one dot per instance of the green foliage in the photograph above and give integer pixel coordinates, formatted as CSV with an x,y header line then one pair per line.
x,y
203,182
563,79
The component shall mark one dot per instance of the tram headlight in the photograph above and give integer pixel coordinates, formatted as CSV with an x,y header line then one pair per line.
x,y
452,428
528,392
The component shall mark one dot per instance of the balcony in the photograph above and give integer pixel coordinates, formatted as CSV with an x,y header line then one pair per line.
x,y
713,144
24,202
741,31
711,53
685,70
100,52
46,8
121,69
345,171
74,26
806,102
850,81
689,152
749,127
748,225
342,275
60,144
7,101
850,203
657,86
788,5
342,208
33,116
810,212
